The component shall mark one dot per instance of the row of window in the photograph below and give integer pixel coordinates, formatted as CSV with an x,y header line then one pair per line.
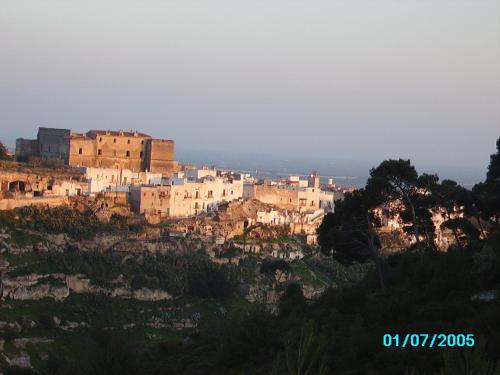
x,y
99,152
114,140
162,194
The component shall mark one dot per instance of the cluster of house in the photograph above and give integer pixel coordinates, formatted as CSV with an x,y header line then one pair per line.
x,y
194,191
143,169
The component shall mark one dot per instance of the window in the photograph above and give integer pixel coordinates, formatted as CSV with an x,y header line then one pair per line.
x,y
99,152
80,151
128,141
142,142
127,154
114,140
140,154
100,139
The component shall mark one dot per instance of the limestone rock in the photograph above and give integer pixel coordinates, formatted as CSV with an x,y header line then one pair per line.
x,y
4,265
14,327
22,342
69,326
36,292
56,321
145,294
23,361
27,324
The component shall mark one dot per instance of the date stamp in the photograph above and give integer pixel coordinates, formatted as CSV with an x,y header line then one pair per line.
x,y
429,340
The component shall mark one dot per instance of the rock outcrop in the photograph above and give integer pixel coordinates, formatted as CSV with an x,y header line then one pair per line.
x,y
59,287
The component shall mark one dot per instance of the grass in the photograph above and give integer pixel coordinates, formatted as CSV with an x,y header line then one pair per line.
x,y
103,313
18,236
307,274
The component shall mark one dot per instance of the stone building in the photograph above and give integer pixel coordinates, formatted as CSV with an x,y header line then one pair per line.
x,y
112,179
300,196
101,148
183,197
18,189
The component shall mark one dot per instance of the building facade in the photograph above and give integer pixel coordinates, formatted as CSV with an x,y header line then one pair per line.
x,y
101,148
300,196
182,197
112,179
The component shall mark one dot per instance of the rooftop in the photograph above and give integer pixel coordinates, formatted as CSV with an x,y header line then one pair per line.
x,y
119,133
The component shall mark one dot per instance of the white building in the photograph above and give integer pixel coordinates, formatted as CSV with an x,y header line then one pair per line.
x,y
112,179
183,197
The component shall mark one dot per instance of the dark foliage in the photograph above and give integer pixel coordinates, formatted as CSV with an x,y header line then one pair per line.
x,y
101,353
207,280
270,266
348,233
3,152
426,291
62,219
178,274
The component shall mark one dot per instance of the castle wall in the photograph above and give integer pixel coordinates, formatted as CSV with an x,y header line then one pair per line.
x,y
26,148
102,149
82,152
120,151
160,156
54,143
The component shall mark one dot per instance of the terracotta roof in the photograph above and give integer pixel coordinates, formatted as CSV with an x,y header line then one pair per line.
x,y
117,133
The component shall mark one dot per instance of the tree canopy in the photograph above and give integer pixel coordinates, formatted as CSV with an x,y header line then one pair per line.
x,y
3,152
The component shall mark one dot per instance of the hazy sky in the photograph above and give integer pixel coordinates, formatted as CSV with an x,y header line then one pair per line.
x,y
347,79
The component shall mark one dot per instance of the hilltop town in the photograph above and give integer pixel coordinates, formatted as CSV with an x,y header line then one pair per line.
x,y
139,173
116,196
106,238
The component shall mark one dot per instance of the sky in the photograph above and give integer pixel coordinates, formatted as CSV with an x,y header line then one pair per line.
x,y
342,80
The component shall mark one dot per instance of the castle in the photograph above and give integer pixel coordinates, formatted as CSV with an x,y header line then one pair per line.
x,y
100,148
